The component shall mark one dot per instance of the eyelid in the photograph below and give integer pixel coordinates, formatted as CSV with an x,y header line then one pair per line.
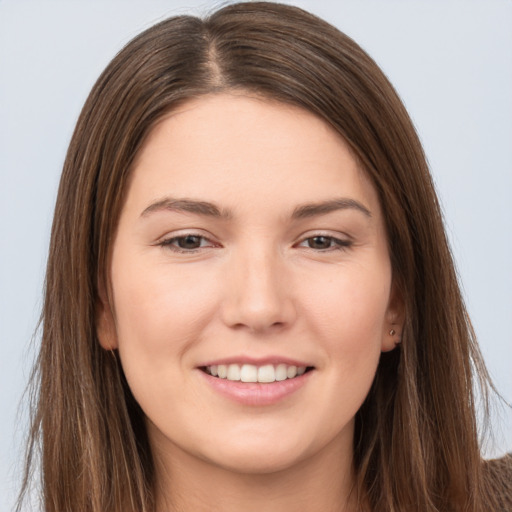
x,y
167,240
341,242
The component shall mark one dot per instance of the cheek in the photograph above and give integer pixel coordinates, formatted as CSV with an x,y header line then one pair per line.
x,y
160,315
349,316
354,303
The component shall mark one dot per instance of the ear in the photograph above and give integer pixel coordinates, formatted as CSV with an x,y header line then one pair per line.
x,y
105,323
394,321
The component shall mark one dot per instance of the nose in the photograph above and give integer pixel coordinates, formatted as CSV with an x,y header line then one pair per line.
x,y
258,296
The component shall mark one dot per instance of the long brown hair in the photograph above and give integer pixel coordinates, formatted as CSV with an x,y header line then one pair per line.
x,y
416,444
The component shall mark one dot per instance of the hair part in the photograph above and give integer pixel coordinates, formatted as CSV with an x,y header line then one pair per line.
x,y
416,442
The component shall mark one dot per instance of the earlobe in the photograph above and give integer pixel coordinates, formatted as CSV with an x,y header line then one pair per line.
x,y
394,323
391,338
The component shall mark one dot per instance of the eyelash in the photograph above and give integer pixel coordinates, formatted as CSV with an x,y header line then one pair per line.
x,y
335,244
168,243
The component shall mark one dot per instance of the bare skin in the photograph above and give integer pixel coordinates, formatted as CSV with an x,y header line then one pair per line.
x,y
250,238
191,484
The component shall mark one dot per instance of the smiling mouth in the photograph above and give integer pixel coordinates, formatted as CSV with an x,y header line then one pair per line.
x,y
267,373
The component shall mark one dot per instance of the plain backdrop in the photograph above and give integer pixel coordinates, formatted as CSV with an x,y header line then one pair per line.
x,y
451,62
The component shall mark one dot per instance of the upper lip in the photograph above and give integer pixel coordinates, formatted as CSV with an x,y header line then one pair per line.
x,y
256,361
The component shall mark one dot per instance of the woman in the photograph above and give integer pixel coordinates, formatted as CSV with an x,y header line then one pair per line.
x,y
250,298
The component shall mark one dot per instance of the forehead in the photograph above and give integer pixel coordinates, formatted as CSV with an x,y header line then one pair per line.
x,y
254,147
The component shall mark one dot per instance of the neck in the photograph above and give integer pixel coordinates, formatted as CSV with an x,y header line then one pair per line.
x,y
323,482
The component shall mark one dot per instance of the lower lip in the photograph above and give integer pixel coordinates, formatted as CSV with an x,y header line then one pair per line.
x,y
255,393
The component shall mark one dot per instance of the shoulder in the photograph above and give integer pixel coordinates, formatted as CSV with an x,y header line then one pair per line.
x,y
498,473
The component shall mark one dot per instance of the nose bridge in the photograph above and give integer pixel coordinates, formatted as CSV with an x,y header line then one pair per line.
x,y
257,296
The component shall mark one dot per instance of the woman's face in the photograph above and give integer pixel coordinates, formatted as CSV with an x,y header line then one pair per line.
x,y
251,246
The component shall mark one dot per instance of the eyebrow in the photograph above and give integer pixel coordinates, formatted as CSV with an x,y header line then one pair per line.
x,y
187,205
211,210
325,207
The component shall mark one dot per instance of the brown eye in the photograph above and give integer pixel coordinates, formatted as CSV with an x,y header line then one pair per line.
x,y
325,243
320,242
188,242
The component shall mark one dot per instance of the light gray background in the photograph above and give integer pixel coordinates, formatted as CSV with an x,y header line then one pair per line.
x,y
451,61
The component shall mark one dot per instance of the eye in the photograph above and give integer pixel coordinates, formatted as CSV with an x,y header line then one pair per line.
x,y
186,243
325,243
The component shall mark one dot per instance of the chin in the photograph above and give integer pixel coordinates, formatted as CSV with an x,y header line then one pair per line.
x,y
262,452
257,461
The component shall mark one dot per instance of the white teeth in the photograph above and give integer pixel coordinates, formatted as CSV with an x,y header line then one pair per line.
x,y
266,373
233,372
251,373
291,371
248,373
281,372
